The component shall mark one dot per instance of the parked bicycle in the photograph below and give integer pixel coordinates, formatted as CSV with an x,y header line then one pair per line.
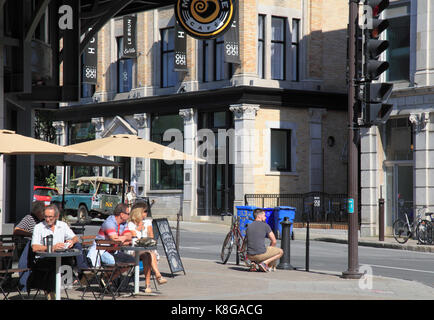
x,y
405,229
234,239
425,232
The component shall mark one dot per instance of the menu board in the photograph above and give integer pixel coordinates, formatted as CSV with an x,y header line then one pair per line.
x,y
169,245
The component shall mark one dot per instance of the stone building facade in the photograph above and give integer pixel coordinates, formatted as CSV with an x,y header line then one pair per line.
x,y
298,99
396,158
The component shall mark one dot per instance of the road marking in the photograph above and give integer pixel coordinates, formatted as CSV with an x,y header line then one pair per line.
x,y
405,269
195,248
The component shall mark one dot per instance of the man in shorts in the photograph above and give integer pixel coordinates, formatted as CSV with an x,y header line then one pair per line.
x,y
257,231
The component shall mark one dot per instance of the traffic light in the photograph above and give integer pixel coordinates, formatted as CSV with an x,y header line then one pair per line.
x,y
373,109
373,47
374,96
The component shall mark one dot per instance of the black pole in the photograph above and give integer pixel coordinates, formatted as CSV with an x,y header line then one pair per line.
x,y
381,219
285,244
353,206
307,241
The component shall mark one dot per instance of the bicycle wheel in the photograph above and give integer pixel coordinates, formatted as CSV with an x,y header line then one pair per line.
x,y
227,247
238,240
422,231
401,232
243,253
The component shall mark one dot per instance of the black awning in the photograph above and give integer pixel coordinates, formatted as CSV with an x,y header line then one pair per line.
x,y
203,100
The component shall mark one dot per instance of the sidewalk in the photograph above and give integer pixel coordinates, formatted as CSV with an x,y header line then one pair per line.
x,y
212,280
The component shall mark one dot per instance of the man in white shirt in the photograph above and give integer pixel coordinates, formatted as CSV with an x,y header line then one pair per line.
x,y
63,236
43,269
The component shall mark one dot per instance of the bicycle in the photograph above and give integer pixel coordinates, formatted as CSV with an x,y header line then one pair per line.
x,y
404,229
234,238
425,229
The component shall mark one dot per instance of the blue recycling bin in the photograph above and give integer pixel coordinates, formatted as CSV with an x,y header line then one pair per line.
x,y
269,217
279,214
246,216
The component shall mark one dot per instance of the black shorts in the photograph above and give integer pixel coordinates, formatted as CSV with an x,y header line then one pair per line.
x,y
123,257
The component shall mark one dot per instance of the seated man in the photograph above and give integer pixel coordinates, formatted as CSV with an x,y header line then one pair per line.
x,y
115,227
256,233
25,229
43,269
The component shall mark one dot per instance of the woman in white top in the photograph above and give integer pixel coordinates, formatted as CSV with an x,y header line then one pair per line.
x,y
141,226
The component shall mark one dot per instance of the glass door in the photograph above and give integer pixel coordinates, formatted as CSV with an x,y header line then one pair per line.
x,y
399,190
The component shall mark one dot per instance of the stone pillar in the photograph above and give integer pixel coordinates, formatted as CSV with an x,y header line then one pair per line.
x,y
423,188
316,156
424,75
59,126
142,165
189,202
368,182
244,118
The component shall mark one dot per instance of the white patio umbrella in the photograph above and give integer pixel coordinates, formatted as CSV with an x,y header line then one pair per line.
x,y
14,143
126,145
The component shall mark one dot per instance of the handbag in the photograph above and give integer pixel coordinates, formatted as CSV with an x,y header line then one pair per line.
x,y
146,242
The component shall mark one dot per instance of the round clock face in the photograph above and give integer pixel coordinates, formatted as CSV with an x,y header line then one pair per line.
x,y
205,19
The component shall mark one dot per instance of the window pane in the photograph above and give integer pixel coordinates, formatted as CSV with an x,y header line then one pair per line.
x,y
398,53
277,63
219,60
277,29
261,27
165,176
261,46
280,150
168,74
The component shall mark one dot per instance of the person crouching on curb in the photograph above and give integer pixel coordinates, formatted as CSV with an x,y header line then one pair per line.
x,y
257,231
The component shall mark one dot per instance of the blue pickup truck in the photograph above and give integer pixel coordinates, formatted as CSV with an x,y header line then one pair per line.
x,y
91,197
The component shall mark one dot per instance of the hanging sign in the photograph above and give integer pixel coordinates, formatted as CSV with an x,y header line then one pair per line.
x,y
180,49
205,19
90,61
130,48
232,41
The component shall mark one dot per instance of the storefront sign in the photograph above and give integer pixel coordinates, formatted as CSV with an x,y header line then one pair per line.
x,y
180,49
232,41
205,19
130,48
90,61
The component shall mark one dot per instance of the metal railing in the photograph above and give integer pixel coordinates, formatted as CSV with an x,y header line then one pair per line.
x,y
318,207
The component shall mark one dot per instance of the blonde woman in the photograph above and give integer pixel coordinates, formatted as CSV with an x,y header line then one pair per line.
x,y
140,226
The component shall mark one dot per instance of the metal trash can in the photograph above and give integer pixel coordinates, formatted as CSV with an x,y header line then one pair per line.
x,y
279,214
246,216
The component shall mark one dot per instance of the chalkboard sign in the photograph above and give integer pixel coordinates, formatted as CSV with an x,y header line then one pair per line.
x,y
169,245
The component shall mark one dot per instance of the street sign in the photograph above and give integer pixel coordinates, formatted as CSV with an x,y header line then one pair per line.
x,y
350,205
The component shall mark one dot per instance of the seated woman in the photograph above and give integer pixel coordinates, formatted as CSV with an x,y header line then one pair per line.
x,y
141,226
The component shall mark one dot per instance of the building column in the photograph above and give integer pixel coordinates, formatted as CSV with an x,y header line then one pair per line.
x,y
316,154
244,121
189,201
141,170
368,182
59,126
423,178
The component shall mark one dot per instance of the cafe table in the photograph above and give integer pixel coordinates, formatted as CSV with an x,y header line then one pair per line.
x,y
58,255
137,250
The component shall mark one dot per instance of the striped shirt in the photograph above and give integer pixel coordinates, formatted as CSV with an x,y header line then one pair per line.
x,y
28,223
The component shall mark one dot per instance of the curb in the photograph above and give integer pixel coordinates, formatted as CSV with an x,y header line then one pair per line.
x,y
419,248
